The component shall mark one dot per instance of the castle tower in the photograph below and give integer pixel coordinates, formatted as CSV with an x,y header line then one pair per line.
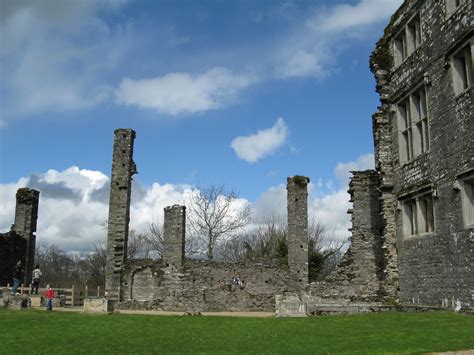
x,y
123,168
297,188
174,235
26,216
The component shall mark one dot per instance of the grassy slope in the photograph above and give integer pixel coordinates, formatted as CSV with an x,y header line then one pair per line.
x,y
57,332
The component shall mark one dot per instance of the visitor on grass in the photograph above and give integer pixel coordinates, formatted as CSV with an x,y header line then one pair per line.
x,y
49,295
36,279
17,275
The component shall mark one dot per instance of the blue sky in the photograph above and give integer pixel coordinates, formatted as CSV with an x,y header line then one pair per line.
x,y
243,93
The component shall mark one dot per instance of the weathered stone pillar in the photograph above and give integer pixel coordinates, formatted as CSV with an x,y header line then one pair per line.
x,y
366,254
26,216
123,168
174,235
382,122
297,187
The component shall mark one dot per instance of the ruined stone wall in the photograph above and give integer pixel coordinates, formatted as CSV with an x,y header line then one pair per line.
x,y
12,249
26,216
123,168
203,286
359,274
435,268
297,201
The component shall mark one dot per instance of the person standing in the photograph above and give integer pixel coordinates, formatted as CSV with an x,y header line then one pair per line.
x,y
17,275
49,295
36,279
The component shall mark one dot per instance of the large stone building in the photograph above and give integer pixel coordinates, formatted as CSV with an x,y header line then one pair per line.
x,y
424,151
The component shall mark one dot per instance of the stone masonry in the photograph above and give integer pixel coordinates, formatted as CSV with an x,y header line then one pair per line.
x,y
297,187
123,168
20,242
174,235
424,151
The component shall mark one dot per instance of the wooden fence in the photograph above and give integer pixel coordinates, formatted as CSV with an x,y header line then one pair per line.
x,y
74,296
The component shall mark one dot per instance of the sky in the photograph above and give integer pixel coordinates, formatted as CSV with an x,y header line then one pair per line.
x,y
239,93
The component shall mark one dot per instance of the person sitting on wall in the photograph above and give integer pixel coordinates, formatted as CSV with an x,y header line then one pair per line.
x,y
17,274
239,280
49,295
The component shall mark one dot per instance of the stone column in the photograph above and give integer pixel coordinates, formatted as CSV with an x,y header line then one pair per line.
x,y
174,236
123,168
382,122
297,187
366,243
26,216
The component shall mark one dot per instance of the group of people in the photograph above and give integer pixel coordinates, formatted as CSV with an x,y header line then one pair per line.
x,y
235,281
36,276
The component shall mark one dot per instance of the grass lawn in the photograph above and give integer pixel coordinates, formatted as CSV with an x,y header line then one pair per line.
x,y
38,331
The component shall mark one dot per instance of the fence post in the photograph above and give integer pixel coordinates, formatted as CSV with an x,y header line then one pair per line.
x,y
98,291
73,291
86,296
22,288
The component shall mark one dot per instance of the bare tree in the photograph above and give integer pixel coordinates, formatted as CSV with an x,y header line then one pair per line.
x,y
155,239
214,216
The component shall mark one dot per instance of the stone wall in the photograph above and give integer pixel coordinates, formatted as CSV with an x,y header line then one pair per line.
x,y
435,267
123,168
356,284
203,286
12,249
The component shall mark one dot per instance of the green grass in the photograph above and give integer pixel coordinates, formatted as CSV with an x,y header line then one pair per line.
x,y
34,331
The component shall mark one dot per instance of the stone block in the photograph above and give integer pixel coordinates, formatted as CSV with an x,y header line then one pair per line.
x,y
98,305
290,306
36,301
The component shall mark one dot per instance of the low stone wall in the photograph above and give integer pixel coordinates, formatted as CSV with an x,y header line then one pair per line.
x,y
204,286
302,304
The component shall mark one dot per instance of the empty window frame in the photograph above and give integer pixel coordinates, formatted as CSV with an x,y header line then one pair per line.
x,y
418,215
413,123
467,197
408,40
462,69
452,6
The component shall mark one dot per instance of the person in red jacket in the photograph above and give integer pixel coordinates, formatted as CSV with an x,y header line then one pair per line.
x,y
49,295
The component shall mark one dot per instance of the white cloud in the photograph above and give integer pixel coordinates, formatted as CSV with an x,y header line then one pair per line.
x,y
74,205
265,142
183,93
343,17
342,170
312,47
49,61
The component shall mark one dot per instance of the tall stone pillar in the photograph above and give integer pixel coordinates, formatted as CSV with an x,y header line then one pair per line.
x,y
26,216
365,253
297,187
123,168
174,236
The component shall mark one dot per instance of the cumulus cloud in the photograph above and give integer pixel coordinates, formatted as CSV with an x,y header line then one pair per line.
x,y
265,142
182,93
72,217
